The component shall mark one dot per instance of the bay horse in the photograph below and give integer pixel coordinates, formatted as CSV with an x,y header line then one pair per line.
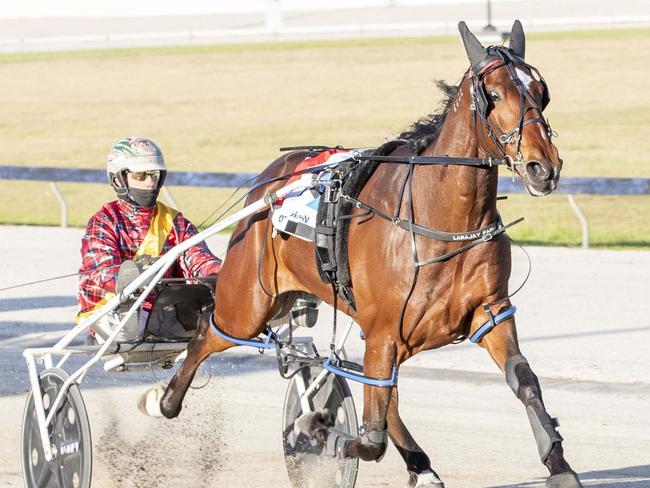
x,y
495,112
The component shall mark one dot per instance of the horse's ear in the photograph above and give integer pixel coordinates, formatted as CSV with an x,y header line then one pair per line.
x,y
517,40
474,49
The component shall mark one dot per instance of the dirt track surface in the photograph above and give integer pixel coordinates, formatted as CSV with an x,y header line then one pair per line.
x,y
583,323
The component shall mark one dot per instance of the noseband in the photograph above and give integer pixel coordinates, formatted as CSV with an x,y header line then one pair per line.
x,y
480,106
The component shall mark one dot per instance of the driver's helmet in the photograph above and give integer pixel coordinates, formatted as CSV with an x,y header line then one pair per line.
x,y
134,154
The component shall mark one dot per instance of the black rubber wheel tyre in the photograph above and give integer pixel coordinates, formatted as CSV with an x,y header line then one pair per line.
x,y
69,432
307,464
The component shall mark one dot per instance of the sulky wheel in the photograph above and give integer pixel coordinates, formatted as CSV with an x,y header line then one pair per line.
x,y
69,433
307,464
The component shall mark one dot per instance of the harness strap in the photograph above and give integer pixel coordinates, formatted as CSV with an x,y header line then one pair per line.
x,y
493,321
449,236
425,231
467,247
507,59
476,237
333,364
427,160
260,343
339,370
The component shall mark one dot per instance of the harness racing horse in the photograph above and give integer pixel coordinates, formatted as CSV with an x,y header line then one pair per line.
x,y
413,292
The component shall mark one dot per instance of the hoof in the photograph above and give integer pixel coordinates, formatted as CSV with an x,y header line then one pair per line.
x,y
564,480
315,424
149,401
426,478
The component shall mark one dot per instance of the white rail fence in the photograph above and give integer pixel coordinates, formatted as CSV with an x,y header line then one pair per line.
x,y
567,186
42,25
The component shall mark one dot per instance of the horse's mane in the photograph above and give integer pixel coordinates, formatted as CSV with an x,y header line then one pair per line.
x,y
427,129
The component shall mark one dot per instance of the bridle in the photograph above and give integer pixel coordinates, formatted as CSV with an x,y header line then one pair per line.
x,y
497,57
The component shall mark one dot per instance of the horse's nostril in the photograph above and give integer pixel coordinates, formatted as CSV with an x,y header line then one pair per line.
x,y
538,171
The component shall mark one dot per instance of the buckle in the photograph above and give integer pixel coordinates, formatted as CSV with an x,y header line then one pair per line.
x,y
510,137
332,190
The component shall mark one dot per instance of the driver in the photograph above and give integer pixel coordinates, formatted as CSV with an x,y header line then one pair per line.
x,y
135,228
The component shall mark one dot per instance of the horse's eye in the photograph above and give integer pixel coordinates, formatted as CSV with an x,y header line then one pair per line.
x,y
494,96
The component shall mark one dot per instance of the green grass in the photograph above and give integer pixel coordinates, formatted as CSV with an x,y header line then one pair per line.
x,y
614,221
229,107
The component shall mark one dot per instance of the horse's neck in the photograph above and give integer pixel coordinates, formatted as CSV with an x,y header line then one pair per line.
x,y
465,196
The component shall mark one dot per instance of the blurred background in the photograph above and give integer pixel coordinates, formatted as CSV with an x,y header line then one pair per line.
x,y
221,85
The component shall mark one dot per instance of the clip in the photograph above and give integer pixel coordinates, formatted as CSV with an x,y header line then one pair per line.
x,y
487,236
332,190
486,309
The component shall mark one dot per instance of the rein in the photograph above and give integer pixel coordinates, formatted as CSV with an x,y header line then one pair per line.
x,y
476,237
444,160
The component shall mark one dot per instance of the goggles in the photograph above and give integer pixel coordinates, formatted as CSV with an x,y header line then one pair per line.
x,y
154,174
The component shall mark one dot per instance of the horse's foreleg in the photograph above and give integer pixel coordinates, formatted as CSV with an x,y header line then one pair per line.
x,y
501,343
417,462
204,343
371,443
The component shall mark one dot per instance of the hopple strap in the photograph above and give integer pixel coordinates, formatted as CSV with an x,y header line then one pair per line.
x,y
492,322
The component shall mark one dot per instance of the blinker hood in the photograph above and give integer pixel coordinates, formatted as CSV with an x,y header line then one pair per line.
x,y
480,56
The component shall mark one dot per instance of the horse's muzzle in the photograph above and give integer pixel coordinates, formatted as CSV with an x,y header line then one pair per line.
x,y
540,178
538,172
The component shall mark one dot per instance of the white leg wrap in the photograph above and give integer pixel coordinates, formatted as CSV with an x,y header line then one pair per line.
x,y
149,401
429,478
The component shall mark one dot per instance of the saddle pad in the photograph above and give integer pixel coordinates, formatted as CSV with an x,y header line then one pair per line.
x,y
322,157
296,213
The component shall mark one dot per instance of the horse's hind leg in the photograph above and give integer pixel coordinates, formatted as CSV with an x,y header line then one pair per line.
x,y
502,345
417,462
204,343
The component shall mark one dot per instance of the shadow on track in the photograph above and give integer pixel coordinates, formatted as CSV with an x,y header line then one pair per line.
x,y
628,477
12,304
